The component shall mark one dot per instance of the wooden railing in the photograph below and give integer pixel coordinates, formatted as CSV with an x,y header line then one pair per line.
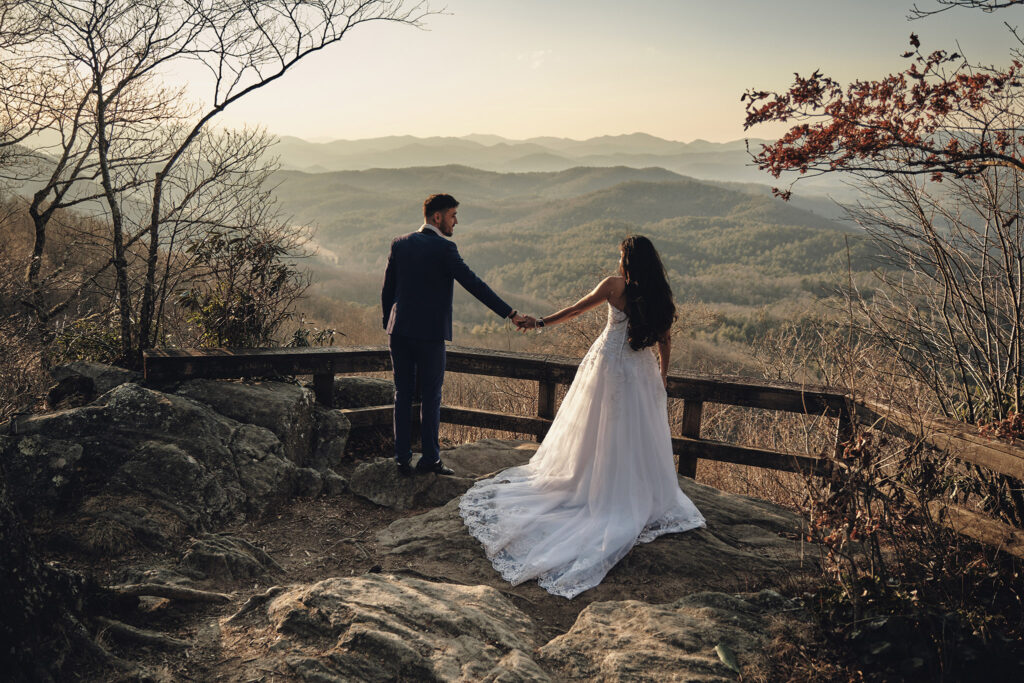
x,y
956,439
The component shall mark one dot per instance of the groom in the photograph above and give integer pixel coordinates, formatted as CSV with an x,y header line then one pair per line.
x,y
417,304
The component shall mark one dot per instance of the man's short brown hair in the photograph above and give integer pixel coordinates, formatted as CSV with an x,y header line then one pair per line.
x,y
438,202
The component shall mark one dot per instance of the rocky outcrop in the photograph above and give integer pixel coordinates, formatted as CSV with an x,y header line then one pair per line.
x,y
635,641
43,472
747,544
226,558
360,392
381,627
378,481
488,456
140,466
80,382
310,435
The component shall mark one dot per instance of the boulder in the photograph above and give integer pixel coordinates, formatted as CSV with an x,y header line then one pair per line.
x,y
381,627
311,435
361,392
70,392
635,641
150,467
102,378
747,544
488,456
378,481
226,557
41,473
334,484
308,482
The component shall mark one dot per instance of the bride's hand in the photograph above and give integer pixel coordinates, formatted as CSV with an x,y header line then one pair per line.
x,y
664,380
525,322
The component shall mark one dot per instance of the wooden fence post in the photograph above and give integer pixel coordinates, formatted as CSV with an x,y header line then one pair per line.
x,y
545,402
323,387
844,433
844,430
692,411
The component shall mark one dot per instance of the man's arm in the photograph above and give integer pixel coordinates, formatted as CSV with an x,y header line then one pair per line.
x,y
387,292
473,284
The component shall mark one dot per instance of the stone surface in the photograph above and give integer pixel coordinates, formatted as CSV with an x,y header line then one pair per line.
x,y
635,641
103,377
334,484
41,472
70,392
311,436
150,467
360,392
748,544
381,627
378,481
488,456
226,557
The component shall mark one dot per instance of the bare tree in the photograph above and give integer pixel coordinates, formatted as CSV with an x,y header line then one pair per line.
x,y
123,135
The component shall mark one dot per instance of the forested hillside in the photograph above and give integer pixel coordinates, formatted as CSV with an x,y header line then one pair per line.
x,y
541,239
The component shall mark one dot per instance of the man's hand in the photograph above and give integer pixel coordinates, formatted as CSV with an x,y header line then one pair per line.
x,y
524,322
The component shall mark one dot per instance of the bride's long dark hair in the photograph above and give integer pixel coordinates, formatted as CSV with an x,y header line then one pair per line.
x,y
649,303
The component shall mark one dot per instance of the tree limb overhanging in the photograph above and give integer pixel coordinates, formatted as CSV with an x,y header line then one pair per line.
x,y
940,116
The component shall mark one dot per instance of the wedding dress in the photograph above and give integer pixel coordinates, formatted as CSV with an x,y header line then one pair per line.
x,y
602,481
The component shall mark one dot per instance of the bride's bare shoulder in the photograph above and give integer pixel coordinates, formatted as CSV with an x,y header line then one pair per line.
x,y
615,285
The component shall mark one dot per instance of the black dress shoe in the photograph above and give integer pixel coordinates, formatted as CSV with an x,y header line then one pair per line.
x,y
404,469
435,467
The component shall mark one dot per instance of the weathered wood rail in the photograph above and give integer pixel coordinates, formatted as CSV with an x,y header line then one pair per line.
x,y
549,371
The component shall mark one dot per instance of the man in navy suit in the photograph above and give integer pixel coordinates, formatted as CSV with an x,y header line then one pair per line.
x,y
417,304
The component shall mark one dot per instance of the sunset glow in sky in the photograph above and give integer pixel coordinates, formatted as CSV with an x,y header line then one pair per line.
x,y
583,68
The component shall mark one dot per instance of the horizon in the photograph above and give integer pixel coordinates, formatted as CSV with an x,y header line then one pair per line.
x,y
328,140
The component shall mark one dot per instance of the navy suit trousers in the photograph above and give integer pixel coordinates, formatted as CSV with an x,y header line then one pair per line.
x,y
423,360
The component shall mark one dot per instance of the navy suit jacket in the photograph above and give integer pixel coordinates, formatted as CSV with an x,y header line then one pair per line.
x,y
416,299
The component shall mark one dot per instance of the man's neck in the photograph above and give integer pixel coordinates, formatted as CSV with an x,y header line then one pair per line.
x,y
433,228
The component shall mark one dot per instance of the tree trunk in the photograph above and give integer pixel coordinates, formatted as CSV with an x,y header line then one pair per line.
x,y
117,228
146,319
38,604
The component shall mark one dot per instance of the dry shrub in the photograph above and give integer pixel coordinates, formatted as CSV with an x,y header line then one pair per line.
x,y
901,593
23,376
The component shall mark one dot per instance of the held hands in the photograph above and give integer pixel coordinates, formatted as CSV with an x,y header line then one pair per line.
x,y
524,322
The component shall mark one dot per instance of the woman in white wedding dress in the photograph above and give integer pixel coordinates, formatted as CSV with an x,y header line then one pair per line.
x,y
603,479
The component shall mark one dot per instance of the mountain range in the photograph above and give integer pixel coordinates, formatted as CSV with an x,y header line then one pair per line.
x,y
725,161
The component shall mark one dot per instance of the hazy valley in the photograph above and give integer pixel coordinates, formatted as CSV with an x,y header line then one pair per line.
x,y
542,238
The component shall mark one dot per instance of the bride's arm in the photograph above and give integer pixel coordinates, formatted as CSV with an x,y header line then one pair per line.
x,y
664,354
597,297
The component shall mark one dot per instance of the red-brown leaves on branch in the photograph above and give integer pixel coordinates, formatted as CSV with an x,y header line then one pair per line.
x,y
937,116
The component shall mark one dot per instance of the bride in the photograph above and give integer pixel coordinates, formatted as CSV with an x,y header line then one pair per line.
x,y
603,480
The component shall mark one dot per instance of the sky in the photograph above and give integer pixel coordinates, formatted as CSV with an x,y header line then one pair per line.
x,y
584,68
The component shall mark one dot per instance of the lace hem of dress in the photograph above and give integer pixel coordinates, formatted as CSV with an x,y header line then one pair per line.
x,y
482,522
